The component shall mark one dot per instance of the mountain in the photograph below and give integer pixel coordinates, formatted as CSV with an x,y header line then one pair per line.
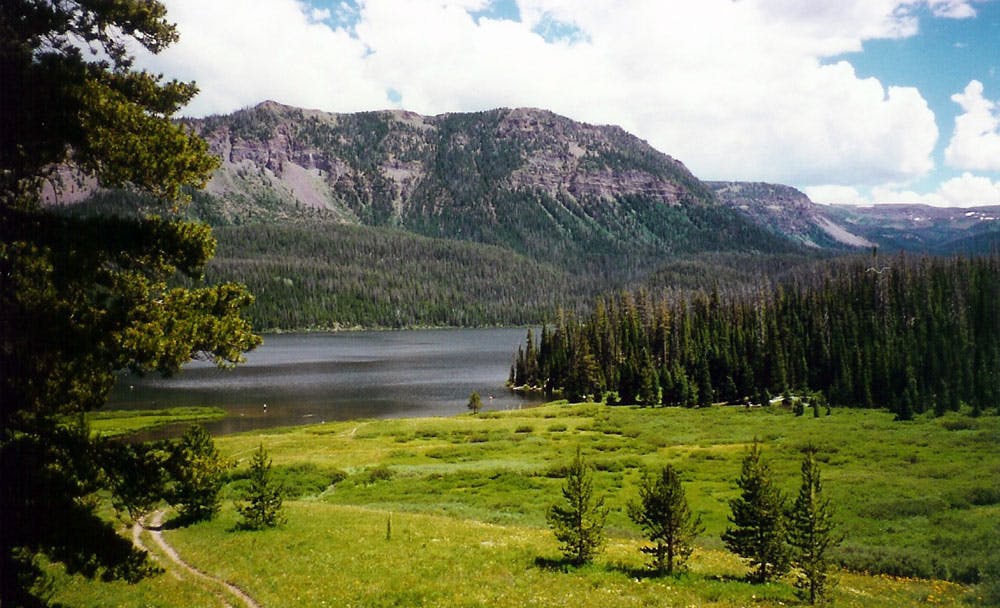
x,y
394,219
788,212
914,228
922,228
583,197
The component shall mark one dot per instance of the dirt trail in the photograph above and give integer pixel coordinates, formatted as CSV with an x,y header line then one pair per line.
x,y
224,589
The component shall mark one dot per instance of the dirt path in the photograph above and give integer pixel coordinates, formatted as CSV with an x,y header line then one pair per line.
x,y
224,589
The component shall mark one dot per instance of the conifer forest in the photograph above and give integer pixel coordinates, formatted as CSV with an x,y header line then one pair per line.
x,y
908,333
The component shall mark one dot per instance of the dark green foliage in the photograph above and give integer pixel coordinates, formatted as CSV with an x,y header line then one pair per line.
x,y
197,471
47,490
57,96
921,335
260,504
136,474
578,522
475,403
83,297
663,513
757,516
338,275
811,534
329,275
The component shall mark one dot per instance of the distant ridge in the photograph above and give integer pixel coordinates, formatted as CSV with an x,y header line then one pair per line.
x,y
526,179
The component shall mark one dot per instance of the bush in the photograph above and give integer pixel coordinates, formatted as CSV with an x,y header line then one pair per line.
x,y
376,474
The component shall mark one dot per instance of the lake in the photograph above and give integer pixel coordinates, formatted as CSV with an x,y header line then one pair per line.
x,y
309,378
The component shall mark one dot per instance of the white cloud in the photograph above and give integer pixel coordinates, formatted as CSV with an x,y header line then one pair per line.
x,y
320,14
836,195
967,190
952,9
241,54
975,143
737,90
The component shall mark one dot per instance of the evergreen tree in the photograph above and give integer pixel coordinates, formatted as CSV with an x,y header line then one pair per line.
x,y
811,534
137,475
578,522
758,518
197,470
663,513
261,502
475,403
84,297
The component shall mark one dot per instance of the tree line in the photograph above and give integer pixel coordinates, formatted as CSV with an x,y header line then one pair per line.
x,y
911,334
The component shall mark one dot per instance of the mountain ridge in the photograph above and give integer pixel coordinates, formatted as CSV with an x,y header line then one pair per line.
x,y
530,180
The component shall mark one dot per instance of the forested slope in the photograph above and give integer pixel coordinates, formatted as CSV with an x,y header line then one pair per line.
x,y
332,275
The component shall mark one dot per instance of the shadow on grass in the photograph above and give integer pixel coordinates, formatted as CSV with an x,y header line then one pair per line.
x,y
648,573
560,564
181,521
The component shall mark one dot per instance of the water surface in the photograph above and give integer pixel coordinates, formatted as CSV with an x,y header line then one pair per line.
x,y
311,378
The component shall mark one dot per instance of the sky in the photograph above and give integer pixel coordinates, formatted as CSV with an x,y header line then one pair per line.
x,y
851,101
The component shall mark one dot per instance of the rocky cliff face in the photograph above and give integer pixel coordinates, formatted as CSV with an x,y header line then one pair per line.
x,y
538,183
788,211
915,228
526,179
387,167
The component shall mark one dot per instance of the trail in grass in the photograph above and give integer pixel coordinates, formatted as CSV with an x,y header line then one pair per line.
x,y
155,528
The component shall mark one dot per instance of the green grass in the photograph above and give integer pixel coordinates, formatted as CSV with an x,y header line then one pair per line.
x,y
465,499
113,423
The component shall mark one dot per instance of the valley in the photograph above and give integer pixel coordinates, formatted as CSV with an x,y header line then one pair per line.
x,y
450,511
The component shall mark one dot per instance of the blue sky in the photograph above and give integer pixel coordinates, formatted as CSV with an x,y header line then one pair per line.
x,y
850,100
939,61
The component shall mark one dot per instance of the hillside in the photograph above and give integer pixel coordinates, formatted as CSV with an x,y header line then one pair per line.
x,y
893,227
922,228
394,219
788,212
591,199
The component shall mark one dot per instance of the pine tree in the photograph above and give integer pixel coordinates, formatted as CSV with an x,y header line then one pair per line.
x,y
261,502
475,403
578,523
758,530
662,511
811,534
197,470
82,297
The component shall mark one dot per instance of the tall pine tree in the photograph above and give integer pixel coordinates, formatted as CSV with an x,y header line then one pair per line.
x,y
811,534
758,518
261,502
663,513
578,522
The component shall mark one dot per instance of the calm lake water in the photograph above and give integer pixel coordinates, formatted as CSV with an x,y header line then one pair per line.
x,y
315,377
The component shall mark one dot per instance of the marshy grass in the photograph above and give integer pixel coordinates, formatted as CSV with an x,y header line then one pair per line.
x,y
466,497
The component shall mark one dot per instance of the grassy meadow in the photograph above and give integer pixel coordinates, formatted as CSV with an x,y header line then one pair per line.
x,y
114,423
451,511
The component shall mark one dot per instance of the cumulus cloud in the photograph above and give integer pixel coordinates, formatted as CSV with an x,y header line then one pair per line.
x,y
970,190
836,195
241,54
737,90
952,9
966,190
975,143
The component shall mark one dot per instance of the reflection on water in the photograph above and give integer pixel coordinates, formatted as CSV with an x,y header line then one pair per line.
x,y
311,378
